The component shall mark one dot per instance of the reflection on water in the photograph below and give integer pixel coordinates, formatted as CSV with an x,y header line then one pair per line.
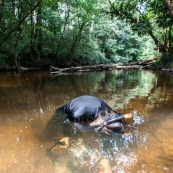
x,y
29,100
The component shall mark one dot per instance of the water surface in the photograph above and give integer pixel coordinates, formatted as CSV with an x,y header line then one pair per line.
x,y
28,101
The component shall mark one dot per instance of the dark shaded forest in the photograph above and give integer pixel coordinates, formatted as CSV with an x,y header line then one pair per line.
x,y
65,33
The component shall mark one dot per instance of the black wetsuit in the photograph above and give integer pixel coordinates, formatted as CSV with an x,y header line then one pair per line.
x,y
80,110
84,108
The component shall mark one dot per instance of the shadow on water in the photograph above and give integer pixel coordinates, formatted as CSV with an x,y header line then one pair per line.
x,y
28,101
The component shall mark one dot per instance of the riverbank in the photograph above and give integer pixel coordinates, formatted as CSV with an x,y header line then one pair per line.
x,y
149,64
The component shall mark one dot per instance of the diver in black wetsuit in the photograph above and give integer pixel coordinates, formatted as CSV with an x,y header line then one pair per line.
x,y
85,113
88,113
85,108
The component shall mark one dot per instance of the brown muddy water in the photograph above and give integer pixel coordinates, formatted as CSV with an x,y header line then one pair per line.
x,y
28,101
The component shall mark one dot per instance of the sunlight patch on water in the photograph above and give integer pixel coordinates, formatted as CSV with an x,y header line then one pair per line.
x,y
124,161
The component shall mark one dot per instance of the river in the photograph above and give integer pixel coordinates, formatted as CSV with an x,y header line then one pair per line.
x,y
29,99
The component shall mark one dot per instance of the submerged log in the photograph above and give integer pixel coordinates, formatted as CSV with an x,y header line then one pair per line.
x,y
87,68
93,67
81,68
137,65
78,68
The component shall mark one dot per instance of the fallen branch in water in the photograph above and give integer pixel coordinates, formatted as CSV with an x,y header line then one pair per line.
x,y
137,65
93,67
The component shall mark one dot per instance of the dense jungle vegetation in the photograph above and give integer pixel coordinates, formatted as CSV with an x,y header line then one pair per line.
x,y
40,33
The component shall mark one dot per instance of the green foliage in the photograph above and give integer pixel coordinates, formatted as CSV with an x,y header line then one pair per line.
x,y
120,44
78,32
88,53
151,18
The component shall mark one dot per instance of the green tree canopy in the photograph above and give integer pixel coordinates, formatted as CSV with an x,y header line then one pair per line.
x,y
153,18
81,32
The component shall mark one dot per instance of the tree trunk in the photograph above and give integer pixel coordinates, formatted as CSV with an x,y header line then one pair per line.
x,y
13,6
32,30
76,42
2,9
67,14
160,46
169,4
170,41
39,28
18,32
